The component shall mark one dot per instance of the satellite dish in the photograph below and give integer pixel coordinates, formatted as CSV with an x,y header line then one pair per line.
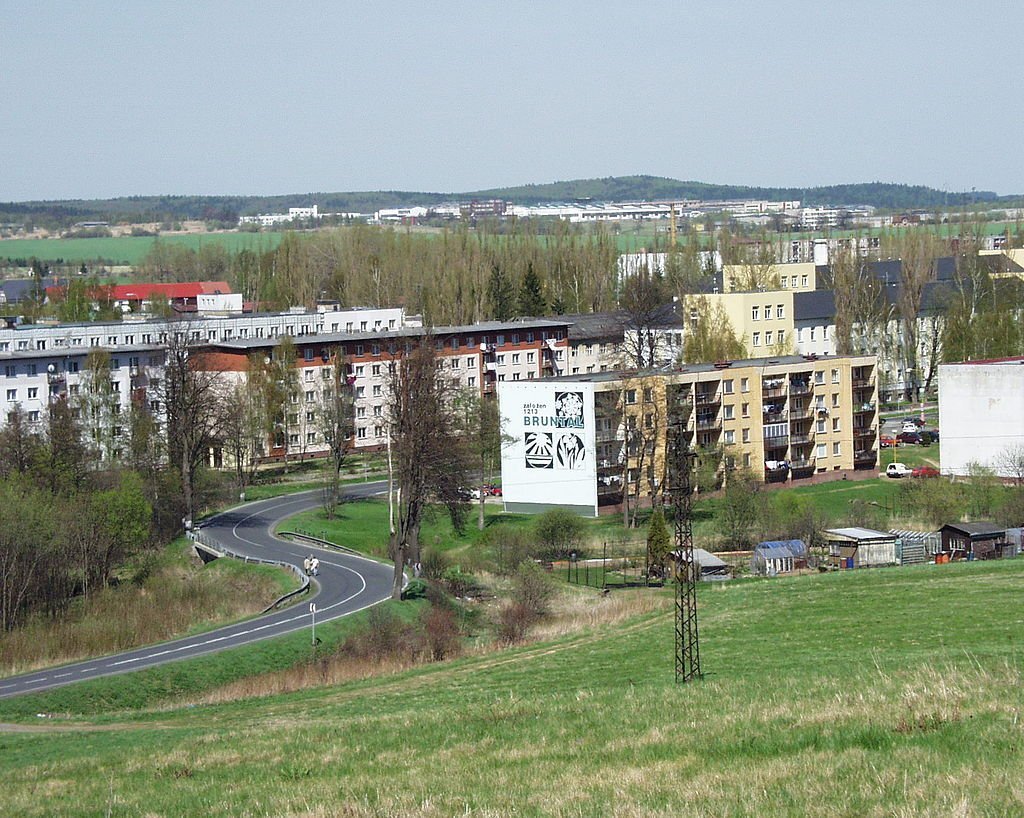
x,y
51,369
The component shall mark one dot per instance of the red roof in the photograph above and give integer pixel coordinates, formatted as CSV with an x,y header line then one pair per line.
x,y
190,289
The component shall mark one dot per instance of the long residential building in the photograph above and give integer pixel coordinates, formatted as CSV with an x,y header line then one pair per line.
x,y
583,441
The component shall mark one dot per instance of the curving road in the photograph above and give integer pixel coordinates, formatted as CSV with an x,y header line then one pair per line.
x,y
346,584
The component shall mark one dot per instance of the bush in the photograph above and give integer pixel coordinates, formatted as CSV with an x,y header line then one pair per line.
x,y
508,547
559,533
385,637
514,621
416,589
442,633
532,588
433,564
460,583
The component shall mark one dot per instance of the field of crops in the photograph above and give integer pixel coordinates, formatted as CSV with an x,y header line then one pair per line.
x,y
127,249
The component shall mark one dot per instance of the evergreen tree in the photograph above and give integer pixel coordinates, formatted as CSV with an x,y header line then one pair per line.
x,y
659,543
501,294
531,294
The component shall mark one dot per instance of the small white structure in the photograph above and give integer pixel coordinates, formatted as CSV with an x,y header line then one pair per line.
x,y
981,414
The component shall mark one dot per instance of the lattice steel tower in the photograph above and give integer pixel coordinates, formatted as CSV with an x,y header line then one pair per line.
x,y
687,641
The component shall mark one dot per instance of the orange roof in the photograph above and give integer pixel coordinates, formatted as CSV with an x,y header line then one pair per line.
x,y
189,289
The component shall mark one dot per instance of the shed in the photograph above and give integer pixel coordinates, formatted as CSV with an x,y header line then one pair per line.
x,y
978,541
711,567
860,547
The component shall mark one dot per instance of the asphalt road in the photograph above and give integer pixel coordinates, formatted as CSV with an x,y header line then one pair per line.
x,y
346,584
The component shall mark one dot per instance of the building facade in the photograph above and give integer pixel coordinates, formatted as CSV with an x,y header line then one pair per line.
x,y
783,418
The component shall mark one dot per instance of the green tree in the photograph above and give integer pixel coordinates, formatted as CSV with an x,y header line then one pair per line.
x,y
501,294
560,533
531,294
659,542
740,508
710,335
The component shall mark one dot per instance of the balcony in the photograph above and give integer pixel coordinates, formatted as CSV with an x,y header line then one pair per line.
x,y
801,439
776,442
864,458
775,417
864,409
707,398
863,383
797,388
769,392
802,467
682,411
863,431
707,424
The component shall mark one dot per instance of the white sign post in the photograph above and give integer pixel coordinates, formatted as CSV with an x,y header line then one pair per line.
x,y
312,617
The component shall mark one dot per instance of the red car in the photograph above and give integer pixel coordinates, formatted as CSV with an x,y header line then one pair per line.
x,y
924,471
887,442
492,491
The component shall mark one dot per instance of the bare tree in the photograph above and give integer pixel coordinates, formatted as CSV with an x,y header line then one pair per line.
x,y
918,251
428,457
336,424
710,335
644,298
240,428
1010,462
189,395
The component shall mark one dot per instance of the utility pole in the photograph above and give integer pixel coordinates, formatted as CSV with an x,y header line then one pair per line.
x,y
686,572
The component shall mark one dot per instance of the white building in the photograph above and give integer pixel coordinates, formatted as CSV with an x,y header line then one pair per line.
x,y
981,414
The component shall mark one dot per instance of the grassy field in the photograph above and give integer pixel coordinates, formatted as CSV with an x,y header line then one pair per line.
x,y
892,692
128,249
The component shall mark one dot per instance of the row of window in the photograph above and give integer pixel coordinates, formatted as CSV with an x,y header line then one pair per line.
x,y
755,312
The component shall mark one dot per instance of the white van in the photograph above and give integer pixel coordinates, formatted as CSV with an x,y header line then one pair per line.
x,y
898,470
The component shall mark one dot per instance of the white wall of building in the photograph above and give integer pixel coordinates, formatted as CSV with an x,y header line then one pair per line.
x,y
981,414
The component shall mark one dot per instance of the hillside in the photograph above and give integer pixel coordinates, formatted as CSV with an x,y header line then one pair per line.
x,y
885,692
144,209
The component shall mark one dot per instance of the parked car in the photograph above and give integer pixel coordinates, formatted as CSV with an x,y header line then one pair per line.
x,y
924,471
886,441
916,421
928,438
492,491
469,494
908,437
909,426
898,470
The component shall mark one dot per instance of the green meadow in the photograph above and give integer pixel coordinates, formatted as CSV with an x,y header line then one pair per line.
x,y
129,249
894,692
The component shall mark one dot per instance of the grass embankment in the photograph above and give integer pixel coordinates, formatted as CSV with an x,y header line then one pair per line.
x,y
885,692
162,595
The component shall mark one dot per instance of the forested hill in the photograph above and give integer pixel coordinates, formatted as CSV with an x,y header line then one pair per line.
x,y
138,209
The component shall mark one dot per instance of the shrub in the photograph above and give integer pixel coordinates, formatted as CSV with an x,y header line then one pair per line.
x,y
442,633
532,588
514,622
460,583
433,564
416,589
508,547
385,637
559,533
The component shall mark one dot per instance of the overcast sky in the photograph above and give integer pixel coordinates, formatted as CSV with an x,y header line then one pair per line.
x,y
102,99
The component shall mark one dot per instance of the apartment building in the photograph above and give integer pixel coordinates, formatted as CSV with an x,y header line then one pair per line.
x,y
583,441
477,356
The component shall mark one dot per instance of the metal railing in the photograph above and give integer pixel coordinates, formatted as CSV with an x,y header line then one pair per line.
x,y
217,548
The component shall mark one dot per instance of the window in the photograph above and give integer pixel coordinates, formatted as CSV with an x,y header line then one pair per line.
x,y
311,437
768,338
835,448
10,371
454,343
822,451
377,411
531,357
744,384
755,339
360,391
32,369
375,370
755,313
835,400
310,395
455,363
376,390
359,349
630,396
727,411
767,311
780,311
781,337
648,394
727,387
33,392
515,376
360,411
33,416
307,354
812,333
309,373
501,360
730,436
12,394
745,410
361,433
803,281
746,435
500,340
835,424
529,337
835,376
515,357
819,376
378,431
746,461
471,380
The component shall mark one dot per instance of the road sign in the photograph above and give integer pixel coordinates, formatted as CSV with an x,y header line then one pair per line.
x,y
312,607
